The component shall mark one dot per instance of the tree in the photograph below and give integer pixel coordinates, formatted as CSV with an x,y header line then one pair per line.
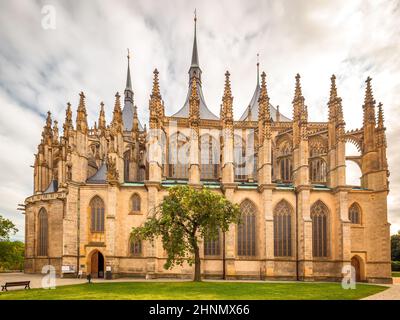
x,y
11,255
395,244
185,215
7,227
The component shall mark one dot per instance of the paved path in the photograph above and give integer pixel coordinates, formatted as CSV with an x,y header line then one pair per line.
x,y
393,293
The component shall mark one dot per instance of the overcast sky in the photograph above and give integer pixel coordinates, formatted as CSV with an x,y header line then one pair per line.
x,y
43,69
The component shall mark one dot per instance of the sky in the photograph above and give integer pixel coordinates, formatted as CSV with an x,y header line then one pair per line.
x,y
43,68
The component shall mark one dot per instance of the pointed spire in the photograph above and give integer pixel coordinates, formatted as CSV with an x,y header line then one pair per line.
x,y
81,116
128,75
68,126
332,99
47,133
380,116
55,131
298,100
263,100
195,55
369,104
227,99
102,118
117,114
155,103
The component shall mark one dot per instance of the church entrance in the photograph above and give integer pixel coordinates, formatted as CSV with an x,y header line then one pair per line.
x,y
355,262
97,265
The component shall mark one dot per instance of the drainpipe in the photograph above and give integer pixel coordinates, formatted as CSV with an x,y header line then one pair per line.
x,y
223,257
297,235
78,238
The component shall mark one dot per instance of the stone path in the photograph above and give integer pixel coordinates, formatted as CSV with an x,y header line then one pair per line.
x,y
393,293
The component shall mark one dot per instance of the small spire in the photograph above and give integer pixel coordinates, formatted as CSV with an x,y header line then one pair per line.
x,y
333,93
278,114
227,109
155,104
369,104
380,116
297,93
55,131
48,119
258,68
156,86
81,116
68,120
298,100
263,101
117,113
102,117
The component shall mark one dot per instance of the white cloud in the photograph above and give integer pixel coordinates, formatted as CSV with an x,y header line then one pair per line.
x,y
42,70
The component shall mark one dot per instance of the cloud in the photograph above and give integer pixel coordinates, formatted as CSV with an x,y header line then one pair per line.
x,y
44,69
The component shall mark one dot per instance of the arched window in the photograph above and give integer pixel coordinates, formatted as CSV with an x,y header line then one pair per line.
x,y
285,161
209,155
127,159
317,170
179,156
283,229
135,247
247,229
239,154
319,216
135,201
355,213
43,233
212,246
97,214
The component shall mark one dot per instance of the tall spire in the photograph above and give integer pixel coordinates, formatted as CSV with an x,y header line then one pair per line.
x,y
128,75
195,55
194,70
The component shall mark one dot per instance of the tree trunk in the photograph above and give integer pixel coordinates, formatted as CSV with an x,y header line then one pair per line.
x,y
197,273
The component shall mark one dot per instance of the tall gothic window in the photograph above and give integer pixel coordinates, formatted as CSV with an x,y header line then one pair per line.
x,y
317,170
212,246
135,247
247,229
285,161
283,229
127,160
97,214
209,156
319,216
355,213
179,156
135,201
239,151
43,233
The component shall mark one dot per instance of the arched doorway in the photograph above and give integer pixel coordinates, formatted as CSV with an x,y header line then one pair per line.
x,y
356,262
97,264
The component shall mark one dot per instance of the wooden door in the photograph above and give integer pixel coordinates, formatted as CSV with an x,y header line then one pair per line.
x,y
356,264
94,265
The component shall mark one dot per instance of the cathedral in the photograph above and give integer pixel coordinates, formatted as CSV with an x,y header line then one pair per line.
x,y
300,220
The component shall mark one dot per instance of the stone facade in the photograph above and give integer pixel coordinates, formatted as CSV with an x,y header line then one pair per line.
x,y
264,159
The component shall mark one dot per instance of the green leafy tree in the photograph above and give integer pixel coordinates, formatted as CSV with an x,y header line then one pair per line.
x,y
395,244
186,215
7,227
11,255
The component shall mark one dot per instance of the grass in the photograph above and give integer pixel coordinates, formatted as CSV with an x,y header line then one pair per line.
x,y
196,291
396,274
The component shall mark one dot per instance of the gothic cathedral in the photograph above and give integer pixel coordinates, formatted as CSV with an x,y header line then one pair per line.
x,y
301,221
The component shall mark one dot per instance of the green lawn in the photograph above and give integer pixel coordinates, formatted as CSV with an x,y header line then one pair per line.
x,y
197,291
396,274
